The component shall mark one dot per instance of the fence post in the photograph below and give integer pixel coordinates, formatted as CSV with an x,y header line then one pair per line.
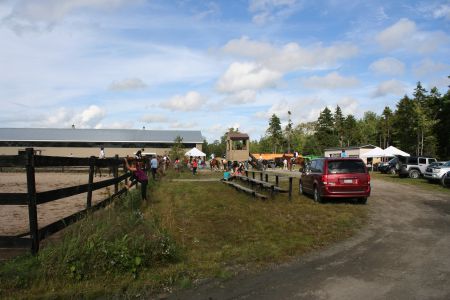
x,y
91,180
253,174
277,180
267,177
261,176
32,206
290,188
116,173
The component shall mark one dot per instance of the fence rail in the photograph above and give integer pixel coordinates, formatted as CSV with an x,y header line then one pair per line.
x,y
32,198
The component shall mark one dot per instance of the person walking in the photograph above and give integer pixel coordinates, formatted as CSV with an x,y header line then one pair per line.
x,y
154,166
194,166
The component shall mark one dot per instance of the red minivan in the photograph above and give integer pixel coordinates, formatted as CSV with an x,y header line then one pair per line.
x,y
336,178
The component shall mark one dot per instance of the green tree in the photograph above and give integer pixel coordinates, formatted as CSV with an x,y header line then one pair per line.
x,y
442,127
405,125
324,134
369,128
177,149
386,127
274,133
352,134
339,125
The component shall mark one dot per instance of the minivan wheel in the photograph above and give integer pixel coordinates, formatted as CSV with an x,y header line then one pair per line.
x,y
414,174
317,197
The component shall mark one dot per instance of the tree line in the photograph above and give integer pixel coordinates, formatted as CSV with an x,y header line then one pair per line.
x,y
419,125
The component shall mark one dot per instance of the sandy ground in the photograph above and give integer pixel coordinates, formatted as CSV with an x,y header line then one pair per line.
x,y
14,218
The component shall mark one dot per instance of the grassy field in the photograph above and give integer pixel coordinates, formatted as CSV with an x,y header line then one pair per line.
x,y
420,182
188,232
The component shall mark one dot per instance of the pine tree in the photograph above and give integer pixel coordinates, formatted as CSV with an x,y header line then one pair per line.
x,y
325,130
386,127
274,132
339,125
405,125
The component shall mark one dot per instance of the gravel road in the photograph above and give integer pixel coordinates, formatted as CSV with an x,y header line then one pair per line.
x,y
403,253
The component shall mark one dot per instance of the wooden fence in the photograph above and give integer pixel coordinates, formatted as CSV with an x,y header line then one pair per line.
x,y
32,198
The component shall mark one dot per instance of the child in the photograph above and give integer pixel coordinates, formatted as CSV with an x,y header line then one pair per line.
x,y
226,175
140,176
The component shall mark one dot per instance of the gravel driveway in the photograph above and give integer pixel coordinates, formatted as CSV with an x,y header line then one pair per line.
x,y
403,253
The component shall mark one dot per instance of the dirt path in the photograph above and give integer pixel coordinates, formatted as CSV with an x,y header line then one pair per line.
x,y
403,253
14,218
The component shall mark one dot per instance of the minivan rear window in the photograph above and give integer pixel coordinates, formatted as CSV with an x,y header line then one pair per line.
x,y
346,166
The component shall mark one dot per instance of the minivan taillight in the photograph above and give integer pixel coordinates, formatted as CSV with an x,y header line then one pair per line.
x,y
368,178
325,179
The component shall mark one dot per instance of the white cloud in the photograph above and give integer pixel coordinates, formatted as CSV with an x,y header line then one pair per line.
x,y
45,14
245,96
269,10
428,66
404,35
155,119
388,66
115,125
394,36
247,76
443,11
248,48
291,56
348,105
331,81
90,117
189,102
392,86
184,125
127,84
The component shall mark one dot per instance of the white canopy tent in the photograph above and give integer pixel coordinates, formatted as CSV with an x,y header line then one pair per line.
x,y
391,151
195,152
376,152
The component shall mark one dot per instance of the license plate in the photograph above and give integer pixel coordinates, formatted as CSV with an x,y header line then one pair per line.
x,y
348,180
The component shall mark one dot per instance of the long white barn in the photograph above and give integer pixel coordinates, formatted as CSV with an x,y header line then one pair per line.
x,y
87,142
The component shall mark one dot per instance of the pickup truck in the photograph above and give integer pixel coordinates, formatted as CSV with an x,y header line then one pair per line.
x,y
434,173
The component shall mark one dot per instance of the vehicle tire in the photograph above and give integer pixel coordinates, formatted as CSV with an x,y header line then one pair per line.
x,y
392,171
414,174
362,200
300,188
317,197
443,182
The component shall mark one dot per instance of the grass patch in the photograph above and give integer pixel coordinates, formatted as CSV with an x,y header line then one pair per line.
x,y
420,182
188,231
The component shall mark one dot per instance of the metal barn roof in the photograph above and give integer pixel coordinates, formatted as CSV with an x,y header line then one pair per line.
x,y
98,135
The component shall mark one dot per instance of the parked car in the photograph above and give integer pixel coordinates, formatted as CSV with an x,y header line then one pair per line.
x,y
389,167
446,180
436,171
336,178
413,166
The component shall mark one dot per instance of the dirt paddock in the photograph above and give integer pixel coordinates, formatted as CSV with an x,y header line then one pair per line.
x,y
14,218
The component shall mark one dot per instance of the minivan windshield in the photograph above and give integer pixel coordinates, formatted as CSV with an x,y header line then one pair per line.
x,y
346,166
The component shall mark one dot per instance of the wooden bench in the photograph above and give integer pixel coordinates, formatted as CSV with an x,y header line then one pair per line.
x,y
246,189
264,184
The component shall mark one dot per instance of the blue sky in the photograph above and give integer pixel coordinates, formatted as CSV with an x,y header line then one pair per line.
x,y
212,65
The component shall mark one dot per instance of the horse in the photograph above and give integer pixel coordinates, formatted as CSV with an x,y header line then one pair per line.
x,y
214,164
